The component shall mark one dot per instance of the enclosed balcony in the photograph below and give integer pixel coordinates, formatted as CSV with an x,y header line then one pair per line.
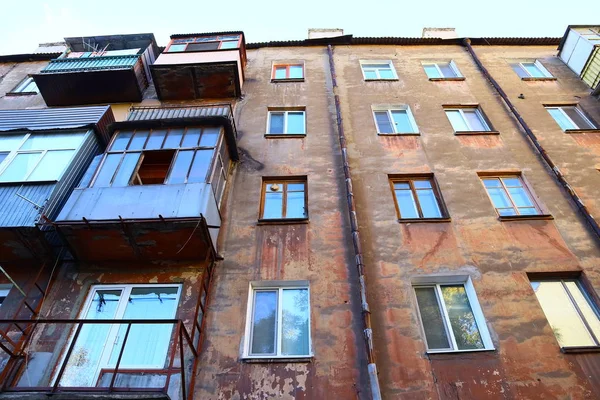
x,y
101,69
580,50
156,193
201,66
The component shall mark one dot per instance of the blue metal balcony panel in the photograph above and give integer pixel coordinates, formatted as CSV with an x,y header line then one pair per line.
x,y
60,65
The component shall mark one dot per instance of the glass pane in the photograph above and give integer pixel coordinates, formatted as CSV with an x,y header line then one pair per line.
x,y
421,184
276,123
428,203
200,166
230,44
406,204
295,122
370,74
264,322
475,120
528,211
401,185
583,302
280,73
383,122
3,156
296,72
519,70
173,138
51,141
533,70
457,121
447,70
20,167
111,162
402,121
386,73
561,119
138,141
126,169
209,137
294,187
520,197
51,166
295,205
10,142
294,309
492,182
499,198
432,71
506,212
156,139
273,205
147,344
512,182
577,118
120,142
461,317
82,366
181,167
177,47
192,137
561,314
431,317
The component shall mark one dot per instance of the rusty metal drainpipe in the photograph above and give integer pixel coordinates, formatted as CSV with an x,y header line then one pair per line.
x,y
368,331
534,140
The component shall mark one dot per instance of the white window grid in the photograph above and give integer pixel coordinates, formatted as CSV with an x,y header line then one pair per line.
x,y
270,286
285,121
538,65
466,121
411,118
437,283
387,64
14,153
453,66
578,111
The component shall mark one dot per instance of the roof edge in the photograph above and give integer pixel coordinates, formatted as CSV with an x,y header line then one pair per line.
x,y
29,57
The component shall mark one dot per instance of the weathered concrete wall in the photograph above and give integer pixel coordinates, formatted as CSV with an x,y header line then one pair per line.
x,y
527,362
11,74
317,251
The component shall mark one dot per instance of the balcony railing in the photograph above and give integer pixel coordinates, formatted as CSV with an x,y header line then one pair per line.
x,y
54,361
90,63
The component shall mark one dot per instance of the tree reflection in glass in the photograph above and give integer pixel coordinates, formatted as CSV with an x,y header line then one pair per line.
x,y
461,317
294,339
264,322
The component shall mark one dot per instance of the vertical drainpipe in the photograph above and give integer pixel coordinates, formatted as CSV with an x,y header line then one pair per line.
x,y
535,142
368,331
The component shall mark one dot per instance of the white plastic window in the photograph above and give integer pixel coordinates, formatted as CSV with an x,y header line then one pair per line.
x,y
378,70
441,70
570,117
395,120
467,119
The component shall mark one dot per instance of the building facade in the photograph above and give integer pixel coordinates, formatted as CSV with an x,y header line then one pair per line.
x,y
336,217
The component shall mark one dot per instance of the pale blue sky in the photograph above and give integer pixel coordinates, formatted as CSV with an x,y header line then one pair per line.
x,y
29,22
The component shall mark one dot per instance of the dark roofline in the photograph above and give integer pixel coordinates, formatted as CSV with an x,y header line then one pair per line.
x,y
29,57
350,40
186,35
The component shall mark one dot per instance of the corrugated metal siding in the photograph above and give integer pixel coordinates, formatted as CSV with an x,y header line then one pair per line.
x,y
591,72
51,118
90,63
156,113
15,211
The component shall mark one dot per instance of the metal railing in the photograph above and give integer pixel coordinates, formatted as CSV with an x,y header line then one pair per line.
x,y
90,63
57,344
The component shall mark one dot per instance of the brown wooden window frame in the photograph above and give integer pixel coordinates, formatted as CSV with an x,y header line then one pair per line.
x,y
393,179
284,181
287,72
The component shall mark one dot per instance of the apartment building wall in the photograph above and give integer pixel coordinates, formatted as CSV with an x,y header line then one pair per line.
x,y
526,362
318,251
11,74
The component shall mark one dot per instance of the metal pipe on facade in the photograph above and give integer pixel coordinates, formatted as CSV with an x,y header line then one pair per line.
x,y
368,331
534,140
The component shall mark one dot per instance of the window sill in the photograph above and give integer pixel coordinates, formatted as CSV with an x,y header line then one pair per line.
x,y
580,349
382,80
410,220
287,80
545,78
285,135
20,93
302,359
465,133
456,78
525,217
399,134
459,351
582,131
283,221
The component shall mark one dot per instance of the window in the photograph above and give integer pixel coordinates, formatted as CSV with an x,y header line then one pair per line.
x,y
157,156
570,311
278,320
26,86
441,70
287,72
98,345
467,119
450,315
37,156
509,195
378,70
4,290
530,69
395,120
570,117
417,198
205,43
284,199
292,122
